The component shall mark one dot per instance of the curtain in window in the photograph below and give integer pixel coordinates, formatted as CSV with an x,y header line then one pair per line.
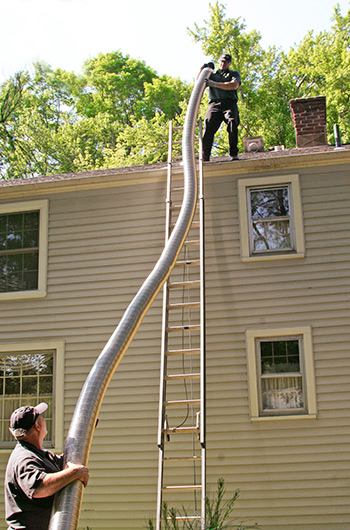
x,y
25,379
280,393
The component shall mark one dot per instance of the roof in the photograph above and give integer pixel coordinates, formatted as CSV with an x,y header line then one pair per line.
x,y
147,168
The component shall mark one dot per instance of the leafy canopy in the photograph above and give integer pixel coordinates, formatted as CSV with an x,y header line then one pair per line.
x,y
116,112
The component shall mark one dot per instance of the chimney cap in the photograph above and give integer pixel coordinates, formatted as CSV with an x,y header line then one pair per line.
x,y
308,100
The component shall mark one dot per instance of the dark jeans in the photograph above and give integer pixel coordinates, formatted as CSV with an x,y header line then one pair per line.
x,y
219,111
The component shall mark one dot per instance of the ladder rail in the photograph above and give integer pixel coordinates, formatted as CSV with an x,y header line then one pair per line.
x,y
164,430
203,326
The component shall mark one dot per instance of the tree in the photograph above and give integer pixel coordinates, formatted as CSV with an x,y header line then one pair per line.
x,y
42,107
64,122
114,86
321,66
11,94
221,34
117,111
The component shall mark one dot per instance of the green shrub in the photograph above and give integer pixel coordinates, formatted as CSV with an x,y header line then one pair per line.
x,y
218,514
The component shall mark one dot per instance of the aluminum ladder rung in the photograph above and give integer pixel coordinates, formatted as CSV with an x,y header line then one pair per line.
x,y
184,518
180,127
185,430
182,402
176,377
189,351
192,243
188,263
178,329
185,305
178,488
182,459
188,284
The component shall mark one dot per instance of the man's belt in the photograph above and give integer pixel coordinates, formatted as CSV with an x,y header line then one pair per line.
x,y
222,100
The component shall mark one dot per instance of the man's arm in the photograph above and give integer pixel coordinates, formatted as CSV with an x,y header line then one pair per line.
x,y
227,85
54,482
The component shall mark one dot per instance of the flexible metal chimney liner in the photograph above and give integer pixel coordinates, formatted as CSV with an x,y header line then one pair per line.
x,y
67,503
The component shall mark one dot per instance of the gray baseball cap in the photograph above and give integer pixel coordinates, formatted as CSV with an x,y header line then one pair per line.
x,y
23,419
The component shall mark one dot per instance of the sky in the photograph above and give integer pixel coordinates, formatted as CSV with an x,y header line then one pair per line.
x,y
65,33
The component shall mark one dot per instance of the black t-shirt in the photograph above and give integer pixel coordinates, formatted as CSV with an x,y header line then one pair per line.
x,y
223,76
26,468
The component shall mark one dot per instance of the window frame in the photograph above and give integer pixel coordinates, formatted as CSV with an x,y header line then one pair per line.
x,y
58,384
307,370
43,207
296,218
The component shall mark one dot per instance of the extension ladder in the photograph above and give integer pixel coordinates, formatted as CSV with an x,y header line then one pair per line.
x,y
181,425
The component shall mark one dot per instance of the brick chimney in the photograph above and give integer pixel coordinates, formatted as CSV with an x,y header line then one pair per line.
x,y
309,118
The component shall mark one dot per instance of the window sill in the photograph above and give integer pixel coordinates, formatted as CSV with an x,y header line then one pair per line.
x,y
286,417
270,257
20,295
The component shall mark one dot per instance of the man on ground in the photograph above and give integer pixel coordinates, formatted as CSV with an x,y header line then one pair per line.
x,y
34,475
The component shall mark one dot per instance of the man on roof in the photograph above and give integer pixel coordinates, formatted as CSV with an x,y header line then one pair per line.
x,y
223,85
34,475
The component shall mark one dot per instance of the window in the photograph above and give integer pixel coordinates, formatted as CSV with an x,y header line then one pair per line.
x,y
281,373
30,374
270,218
23,249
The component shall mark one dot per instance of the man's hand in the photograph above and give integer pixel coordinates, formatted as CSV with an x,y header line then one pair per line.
x,y
54,482
209,82
81,472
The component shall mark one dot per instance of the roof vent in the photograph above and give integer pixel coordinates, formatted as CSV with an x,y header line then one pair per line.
x,y
253,144
337,139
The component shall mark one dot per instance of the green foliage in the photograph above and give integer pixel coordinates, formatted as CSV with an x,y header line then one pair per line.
x,y
218,514
320,65
114,87
221,34
116,113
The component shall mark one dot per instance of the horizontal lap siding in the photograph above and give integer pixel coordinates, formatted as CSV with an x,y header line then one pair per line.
x,y
109,264
102,246
294,474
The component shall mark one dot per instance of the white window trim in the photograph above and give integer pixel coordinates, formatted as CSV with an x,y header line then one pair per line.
x,y
251,336
58,387
297,216
43,207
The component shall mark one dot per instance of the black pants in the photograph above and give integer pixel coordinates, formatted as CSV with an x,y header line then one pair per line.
x,y
219,111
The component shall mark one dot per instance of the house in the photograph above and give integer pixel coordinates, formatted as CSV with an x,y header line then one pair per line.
x,y
77,247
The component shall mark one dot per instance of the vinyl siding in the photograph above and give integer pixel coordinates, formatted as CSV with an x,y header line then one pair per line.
x,y
293,474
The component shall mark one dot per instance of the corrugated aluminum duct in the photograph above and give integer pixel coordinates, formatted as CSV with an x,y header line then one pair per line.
x,y
67,503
